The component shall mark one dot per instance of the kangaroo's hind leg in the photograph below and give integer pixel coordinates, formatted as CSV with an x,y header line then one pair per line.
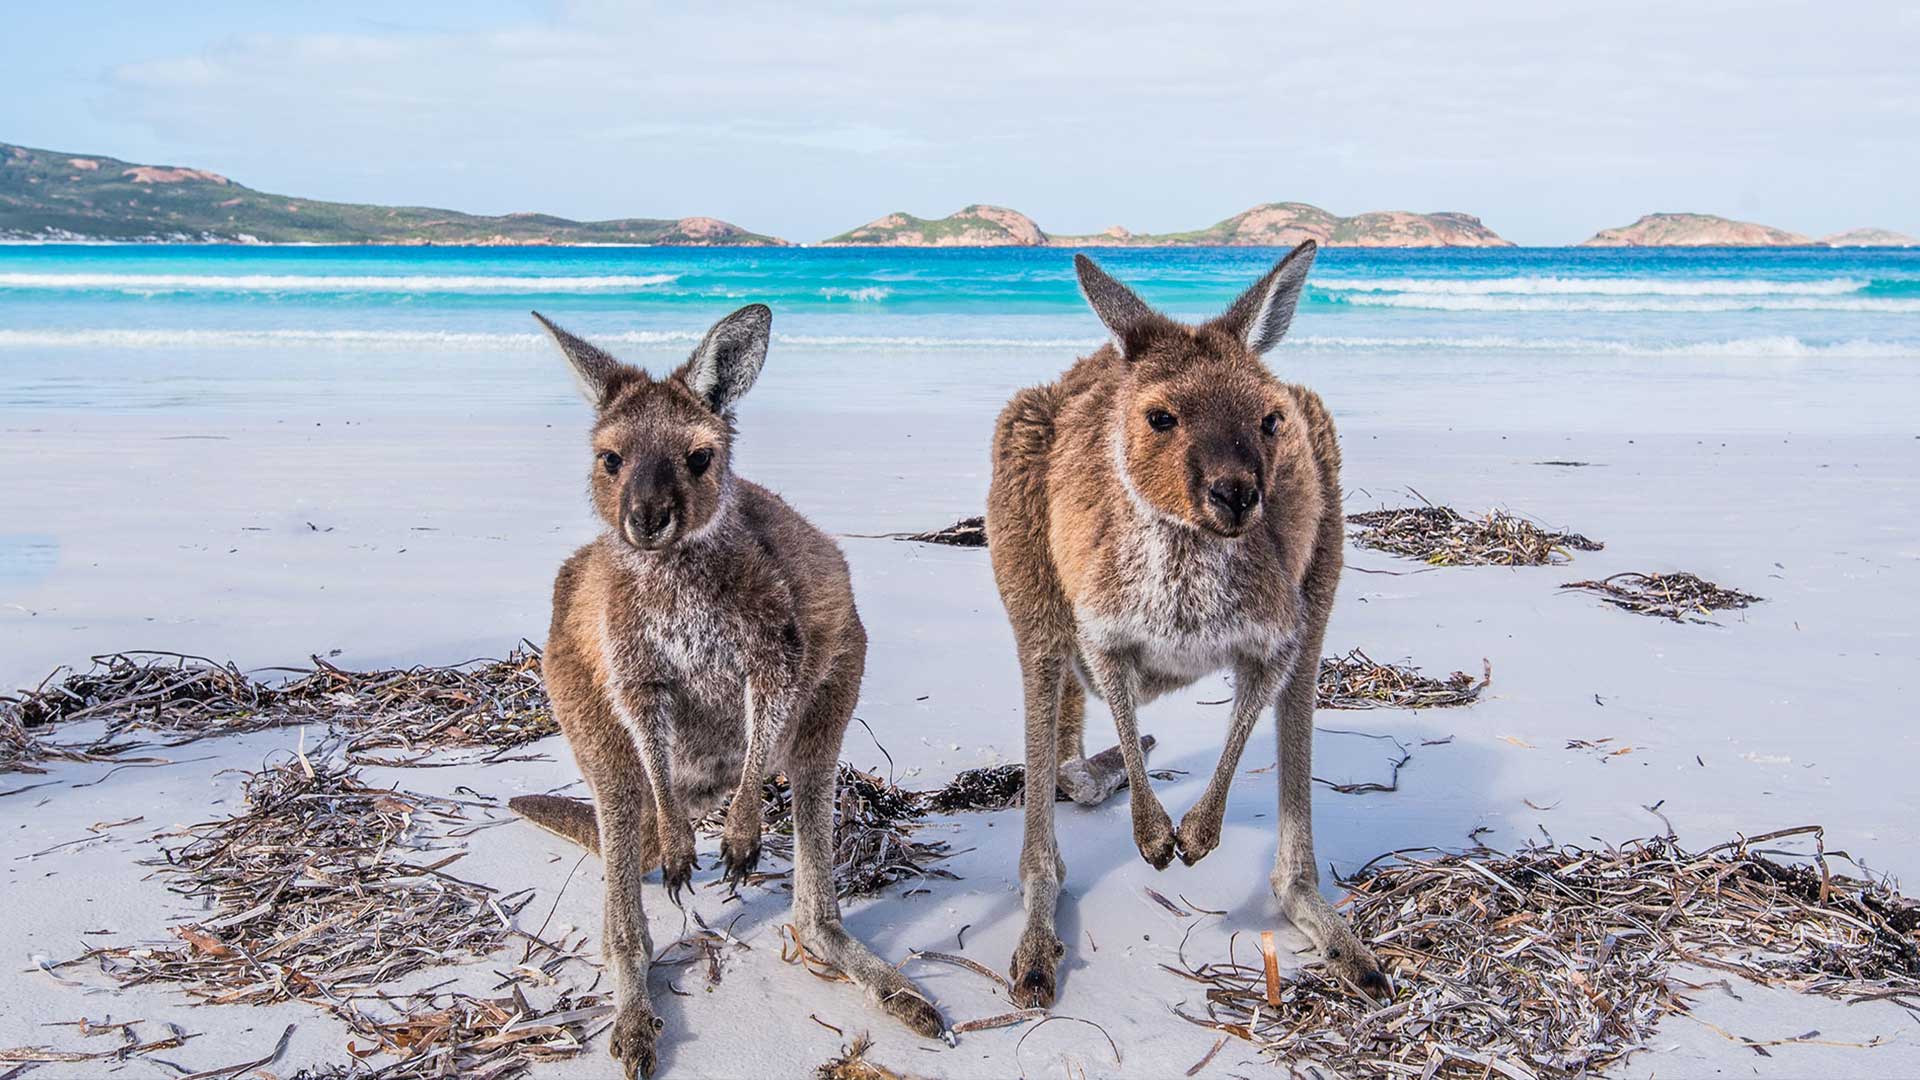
x,y
623,816
812,767
1036,959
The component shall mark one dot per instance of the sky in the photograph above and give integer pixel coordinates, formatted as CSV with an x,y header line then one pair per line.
x,y
1549,119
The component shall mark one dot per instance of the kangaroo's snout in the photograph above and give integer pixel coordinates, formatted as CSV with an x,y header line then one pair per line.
x,y
649,522
1233,500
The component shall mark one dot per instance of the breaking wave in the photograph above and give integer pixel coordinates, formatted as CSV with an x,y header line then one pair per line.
x,y
357,283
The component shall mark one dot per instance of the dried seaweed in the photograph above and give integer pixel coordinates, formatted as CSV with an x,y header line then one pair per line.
x,y
1682,597
873,825
967,532
1558,962
1357,681
1442,536
1002,787
852,1064
490,705
314,896
311,895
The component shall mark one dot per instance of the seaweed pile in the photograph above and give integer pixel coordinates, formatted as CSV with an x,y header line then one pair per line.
x,y
1558,962
1442,536
1681,596
967,532
1358,681
313,896
488,705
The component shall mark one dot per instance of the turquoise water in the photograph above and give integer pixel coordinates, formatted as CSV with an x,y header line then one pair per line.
x,y
183,327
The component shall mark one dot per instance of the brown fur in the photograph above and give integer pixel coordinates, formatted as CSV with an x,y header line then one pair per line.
x,y
1133,559
705,639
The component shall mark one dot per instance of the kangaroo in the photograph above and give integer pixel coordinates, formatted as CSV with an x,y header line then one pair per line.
x,y
1165,510
707,637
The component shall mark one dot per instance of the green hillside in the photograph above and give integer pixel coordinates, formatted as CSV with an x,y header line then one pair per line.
x,y
46,194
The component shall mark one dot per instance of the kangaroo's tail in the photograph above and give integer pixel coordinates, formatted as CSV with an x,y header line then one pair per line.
x,y
569,819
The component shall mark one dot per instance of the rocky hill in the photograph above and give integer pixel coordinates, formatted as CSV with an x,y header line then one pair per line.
x,y
978,225
1870,238
1695,230
1269,225
46,194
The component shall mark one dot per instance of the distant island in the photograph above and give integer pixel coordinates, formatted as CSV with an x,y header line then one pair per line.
x,y
1695,230
1268,225
1870,238
49,195
52,196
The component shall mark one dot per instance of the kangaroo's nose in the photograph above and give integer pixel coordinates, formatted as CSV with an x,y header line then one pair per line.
x,y
651,519
1235,496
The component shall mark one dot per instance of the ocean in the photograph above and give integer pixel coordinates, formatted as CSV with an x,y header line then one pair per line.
x,y
318,329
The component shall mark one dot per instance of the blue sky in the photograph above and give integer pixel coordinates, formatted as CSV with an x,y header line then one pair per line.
x,y
1549,120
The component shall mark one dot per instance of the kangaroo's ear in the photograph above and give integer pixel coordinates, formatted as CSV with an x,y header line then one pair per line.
x,y
725,365
1261,315
1126,316
593,369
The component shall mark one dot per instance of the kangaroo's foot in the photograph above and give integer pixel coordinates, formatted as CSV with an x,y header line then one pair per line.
x,y
1348,958
634,1032
1199,833
885,986
1035,963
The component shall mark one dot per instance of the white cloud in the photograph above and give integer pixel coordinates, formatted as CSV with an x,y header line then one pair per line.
x,y
1549,121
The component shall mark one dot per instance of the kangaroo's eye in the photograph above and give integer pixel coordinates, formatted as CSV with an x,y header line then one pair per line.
x,y
1271,425
610,461
1160,420
698,461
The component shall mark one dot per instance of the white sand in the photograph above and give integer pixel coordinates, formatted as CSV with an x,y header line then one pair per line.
x,y
1796,711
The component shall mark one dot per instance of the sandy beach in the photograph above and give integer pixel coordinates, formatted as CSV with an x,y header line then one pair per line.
x,y
397,536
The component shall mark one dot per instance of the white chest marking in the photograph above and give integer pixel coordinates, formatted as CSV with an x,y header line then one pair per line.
x,y
1181,609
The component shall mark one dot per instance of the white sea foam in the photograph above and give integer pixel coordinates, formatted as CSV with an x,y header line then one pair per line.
x,y
1593,286
413,339
400,283
868,294
1779,346
1776,346
1445,302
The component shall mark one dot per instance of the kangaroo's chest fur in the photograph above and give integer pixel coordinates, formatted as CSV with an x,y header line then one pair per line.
x,y
1180,604
688,633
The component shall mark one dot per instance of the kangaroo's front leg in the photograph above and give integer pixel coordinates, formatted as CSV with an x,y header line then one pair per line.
x,y
1152,828
1256,682
740,843
643,711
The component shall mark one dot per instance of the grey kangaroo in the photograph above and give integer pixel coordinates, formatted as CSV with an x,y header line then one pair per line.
x,y
706,638
1168,509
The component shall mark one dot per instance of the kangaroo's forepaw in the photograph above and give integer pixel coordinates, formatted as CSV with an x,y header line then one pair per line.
x,y
634,1032
1199,833
1153,834
739,855
676,871
909,1005
1034,963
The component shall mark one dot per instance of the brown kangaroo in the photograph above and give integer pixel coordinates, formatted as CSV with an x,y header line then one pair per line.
x,y
1168,509
706,638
